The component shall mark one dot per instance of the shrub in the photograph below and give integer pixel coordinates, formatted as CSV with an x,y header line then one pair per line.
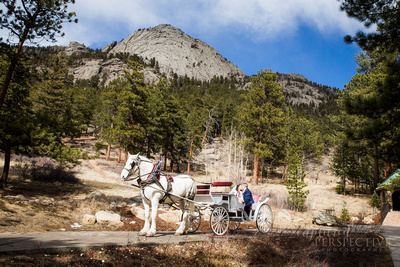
x,y
340,189
375,201
345,215
99,146
47,172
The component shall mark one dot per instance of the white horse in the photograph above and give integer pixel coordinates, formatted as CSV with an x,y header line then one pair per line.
x,y
182,190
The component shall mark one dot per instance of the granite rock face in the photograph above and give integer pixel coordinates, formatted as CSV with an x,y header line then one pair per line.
x,y
323,218
75,48
177,52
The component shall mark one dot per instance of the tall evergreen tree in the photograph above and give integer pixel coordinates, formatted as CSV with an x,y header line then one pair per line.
x,y
54,107
132,114
384,14
367,97
262,118
17,121
30,20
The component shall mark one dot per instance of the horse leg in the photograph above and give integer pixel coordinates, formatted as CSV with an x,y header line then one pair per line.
x,y
154,208
146,226
183,228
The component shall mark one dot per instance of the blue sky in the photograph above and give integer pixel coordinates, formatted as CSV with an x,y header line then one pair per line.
x,y
286,36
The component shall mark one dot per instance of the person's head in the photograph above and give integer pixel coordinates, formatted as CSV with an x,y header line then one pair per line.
x,y
238,188
244,186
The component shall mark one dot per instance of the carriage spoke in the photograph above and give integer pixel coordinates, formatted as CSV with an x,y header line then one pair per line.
x,y
194,220
219,220
264,218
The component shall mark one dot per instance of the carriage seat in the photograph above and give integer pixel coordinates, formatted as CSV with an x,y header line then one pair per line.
x,y
203,189
256,198
221,184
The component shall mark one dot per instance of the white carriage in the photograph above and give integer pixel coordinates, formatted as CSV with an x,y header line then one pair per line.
x,y
227,213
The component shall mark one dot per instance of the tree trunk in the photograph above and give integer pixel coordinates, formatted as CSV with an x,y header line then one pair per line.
x,y
126,157
6,82
120,150
376,166
149,144
344,186
109,145
166,154
108,151
207,127
133,145
6,169
388,164
257,162
14,60
190,155
286,171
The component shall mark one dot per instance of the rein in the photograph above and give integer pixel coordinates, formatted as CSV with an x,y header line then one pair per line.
x,y
149,180
140,175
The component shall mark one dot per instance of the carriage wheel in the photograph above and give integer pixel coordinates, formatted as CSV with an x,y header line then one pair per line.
x,y
233,226
194,220
264,218
219,220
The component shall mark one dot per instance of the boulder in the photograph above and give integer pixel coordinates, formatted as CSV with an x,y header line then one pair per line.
x,y
323,218
171,216
138,212
115,198
107,218
97,196
368,220
88,219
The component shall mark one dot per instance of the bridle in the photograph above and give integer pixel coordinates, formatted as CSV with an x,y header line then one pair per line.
x,y
136,163
142,184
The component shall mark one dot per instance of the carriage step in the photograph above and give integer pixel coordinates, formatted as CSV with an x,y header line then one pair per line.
x,y
235,214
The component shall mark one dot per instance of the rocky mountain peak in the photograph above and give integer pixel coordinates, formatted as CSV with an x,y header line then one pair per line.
x,y
177,52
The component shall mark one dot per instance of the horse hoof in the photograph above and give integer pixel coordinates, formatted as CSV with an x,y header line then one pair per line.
x,y
141,233
178,233
151,234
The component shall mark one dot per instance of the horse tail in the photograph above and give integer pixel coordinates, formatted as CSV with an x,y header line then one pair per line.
x,y
192,190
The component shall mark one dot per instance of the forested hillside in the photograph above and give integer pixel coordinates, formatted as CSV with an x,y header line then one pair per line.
x,y
132,105
175,115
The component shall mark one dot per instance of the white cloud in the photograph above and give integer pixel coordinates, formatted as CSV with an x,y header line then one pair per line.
x,y
104,21
274,18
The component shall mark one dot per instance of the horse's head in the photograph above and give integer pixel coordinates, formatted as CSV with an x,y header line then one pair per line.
x,y
131,166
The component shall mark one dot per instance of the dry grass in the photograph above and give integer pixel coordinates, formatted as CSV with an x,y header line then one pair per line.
x,y
274,249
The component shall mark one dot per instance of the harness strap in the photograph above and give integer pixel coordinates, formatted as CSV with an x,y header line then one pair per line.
x,y
169,187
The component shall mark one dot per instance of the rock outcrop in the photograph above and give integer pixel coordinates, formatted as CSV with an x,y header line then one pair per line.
x,y
75,47
177,52
323,218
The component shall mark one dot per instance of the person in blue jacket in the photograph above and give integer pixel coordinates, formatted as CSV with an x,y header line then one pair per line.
x,y
247,198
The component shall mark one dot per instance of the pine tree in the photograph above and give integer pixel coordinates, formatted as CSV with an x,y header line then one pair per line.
x,y
28,20
17,121
295,184
262,118
369,97
382,13
53,107
133,113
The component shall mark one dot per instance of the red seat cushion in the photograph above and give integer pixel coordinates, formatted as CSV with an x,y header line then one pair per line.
x,y
222,183
256,198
